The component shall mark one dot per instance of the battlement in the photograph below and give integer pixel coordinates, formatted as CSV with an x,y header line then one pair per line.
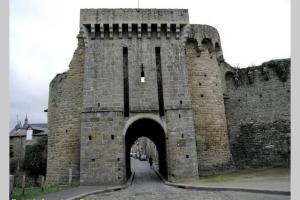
x,y
134,16
105,23
136,72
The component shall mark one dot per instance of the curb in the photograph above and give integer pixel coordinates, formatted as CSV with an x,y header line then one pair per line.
x,y
216,188
111,189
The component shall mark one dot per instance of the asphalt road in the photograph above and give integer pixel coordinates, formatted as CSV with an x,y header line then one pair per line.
x,y
147,185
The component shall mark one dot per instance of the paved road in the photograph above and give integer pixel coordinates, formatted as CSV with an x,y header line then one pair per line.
x,y
147,185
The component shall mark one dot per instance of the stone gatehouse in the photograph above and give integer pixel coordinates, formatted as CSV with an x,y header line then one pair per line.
x,y
146,72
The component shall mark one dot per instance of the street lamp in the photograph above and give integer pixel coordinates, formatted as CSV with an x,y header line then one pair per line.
x,y
142,74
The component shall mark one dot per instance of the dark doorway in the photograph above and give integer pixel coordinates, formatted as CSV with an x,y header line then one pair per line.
x,y
152,130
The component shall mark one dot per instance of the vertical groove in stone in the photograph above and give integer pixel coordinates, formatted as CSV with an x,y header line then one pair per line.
x,y
125,75
159,82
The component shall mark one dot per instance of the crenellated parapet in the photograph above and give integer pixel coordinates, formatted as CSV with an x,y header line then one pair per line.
x,y
206,38
135,66
204,56
134,16
125,23
257,102
128,30
243,77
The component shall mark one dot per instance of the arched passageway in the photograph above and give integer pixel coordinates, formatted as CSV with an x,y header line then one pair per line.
x,y
152,130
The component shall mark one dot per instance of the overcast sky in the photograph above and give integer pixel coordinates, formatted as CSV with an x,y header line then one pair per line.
x,y
43,39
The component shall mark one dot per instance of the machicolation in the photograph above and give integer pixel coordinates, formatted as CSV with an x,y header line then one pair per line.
x,y
150,73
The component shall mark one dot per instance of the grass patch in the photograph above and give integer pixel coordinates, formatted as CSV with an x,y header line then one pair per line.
x,y
33,192
242,175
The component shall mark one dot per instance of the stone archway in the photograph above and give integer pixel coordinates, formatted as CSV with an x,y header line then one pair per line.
x,y
151,129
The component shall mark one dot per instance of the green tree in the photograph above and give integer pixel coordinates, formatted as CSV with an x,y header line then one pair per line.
x,y
35,161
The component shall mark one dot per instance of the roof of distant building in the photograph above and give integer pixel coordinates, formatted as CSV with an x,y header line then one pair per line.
x,y
38,129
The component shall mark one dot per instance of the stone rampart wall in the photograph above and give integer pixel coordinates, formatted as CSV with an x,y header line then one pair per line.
x,y
257,101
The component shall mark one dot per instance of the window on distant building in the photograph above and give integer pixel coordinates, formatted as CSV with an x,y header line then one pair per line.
x,y
29,134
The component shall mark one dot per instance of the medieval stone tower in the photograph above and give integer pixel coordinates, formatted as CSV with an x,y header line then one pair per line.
x,y
138,72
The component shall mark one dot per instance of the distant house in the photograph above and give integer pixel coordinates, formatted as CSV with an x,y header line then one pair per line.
x,y
20,137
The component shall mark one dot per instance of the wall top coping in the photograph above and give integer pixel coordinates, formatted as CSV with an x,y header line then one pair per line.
x,y
133,16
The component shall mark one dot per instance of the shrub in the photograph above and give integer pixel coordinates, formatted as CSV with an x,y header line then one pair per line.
x,y
35,161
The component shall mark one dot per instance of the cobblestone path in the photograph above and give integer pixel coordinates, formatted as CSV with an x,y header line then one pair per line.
x,y
147,186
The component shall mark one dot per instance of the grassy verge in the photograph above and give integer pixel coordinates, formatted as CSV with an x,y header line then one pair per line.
x,y
33,192
243,174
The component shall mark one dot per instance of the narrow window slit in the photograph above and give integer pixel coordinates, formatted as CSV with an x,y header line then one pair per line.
x,y
125,81
159,82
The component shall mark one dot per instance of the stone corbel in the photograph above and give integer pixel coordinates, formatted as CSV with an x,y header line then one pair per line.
x,y
186,31
101,31
93,34
149,31
129,31
82,39
139,31
120,31
177,31
168,31
199,50
111,34
220,59
158,30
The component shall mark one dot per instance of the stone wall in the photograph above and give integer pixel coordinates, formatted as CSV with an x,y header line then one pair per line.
x,y
102,158
116,16
64,111
92,104
18,151
257,101
203,56
181,145
103,92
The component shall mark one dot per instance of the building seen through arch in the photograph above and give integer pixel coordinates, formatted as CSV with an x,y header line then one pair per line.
x,y
152,130
144,146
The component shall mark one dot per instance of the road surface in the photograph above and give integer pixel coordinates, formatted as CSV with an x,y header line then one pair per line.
x,y
147,185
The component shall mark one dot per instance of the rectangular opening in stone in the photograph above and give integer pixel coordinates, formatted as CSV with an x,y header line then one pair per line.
x,y
97,31
126,84
159,82
106,30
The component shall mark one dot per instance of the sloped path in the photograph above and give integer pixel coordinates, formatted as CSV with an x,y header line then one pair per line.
x,y
147,185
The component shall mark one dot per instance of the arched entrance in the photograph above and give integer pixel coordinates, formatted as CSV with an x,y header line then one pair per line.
x,y
153,130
